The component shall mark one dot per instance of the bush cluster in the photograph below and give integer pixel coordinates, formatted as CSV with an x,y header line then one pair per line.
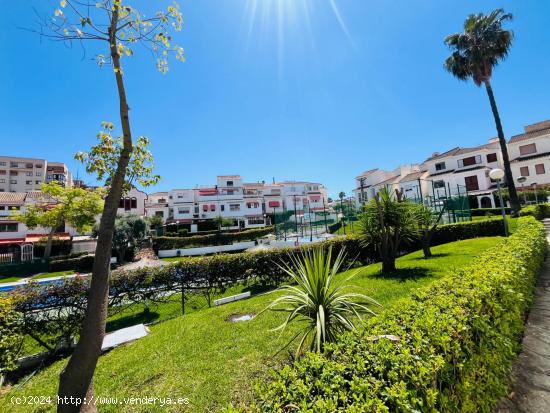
x,y
59,247
539,211
481,212
448,347
170,243
83,263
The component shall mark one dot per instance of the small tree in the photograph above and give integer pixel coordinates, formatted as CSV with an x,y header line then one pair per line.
x,y
317,299
59,205
155,221
384,224
427,221
118,28
129,230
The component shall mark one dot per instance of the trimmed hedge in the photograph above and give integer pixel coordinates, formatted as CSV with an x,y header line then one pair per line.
x,y
539,211
456,341
59,247
80,264
170,243
481,212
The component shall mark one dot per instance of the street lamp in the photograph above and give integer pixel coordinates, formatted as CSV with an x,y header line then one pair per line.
x,y
497,174
522,180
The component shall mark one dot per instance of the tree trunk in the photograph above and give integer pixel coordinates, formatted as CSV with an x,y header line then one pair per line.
x,y
182,299
426,244
514,200
76,379
388,264
49,242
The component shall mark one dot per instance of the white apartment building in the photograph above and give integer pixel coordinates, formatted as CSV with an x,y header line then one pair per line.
x,y
133,203
28,174
466,170
529,155
246,204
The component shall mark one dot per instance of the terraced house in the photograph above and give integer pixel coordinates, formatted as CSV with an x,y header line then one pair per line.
x,y
246,205
465,171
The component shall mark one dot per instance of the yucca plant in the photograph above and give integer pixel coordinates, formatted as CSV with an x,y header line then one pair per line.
x,y
328,308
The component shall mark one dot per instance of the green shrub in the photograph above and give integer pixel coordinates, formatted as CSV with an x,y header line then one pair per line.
x,y
183,232
79,264
448,347
539,211
59,247
482,212
10,333
170,243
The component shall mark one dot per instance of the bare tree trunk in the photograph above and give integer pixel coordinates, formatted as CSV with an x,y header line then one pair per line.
x,y
514,200
76,379
49,242
426,244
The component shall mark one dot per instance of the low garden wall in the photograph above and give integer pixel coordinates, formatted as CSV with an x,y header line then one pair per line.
x,y
451,349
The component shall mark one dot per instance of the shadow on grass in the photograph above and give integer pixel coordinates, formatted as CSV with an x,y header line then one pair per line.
x,y
258,288
403,274
131,320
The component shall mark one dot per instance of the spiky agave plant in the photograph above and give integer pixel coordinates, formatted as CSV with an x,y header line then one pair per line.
x,y
328,308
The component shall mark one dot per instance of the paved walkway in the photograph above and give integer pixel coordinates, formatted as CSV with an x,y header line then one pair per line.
x,y
530,392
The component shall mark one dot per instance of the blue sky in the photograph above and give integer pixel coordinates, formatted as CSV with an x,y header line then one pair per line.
x,y
299,89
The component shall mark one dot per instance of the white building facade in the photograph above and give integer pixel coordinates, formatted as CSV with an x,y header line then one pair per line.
x,y
245,205
27,174
465,171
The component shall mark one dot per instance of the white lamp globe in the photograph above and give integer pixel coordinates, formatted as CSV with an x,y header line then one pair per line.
x,y
496,174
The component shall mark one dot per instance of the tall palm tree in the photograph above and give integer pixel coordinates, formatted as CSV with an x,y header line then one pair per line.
x,y
475,52
342,195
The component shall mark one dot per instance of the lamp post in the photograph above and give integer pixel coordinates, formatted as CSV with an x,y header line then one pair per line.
x,y
536,195
497,174
522,180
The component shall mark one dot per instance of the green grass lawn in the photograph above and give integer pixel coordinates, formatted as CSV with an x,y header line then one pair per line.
x,y
37,276
213,362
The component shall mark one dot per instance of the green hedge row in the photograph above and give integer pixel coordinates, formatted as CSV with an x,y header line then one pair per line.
x,y
481,212
539,211
456,341
170,243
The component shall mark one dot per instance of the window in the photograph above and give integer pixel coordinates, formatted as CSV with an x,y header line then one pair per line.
x,y
440,166
491,157
38,165
37,182
255,221
14,164
180,196
222,207
2,181
28,173
2,163
539,169
2,208
28,182
38,174
183,210
439,184
527,149
28,165
2,172
8,227
524,171
229,192
234,207
229,183
471,183
13,173
472,160
13,181
161,201
133,202
159,213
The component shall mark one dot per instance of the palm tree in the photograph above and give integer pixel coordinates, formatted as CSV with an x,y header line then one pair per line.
x,y
342,195
475,52
327,308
